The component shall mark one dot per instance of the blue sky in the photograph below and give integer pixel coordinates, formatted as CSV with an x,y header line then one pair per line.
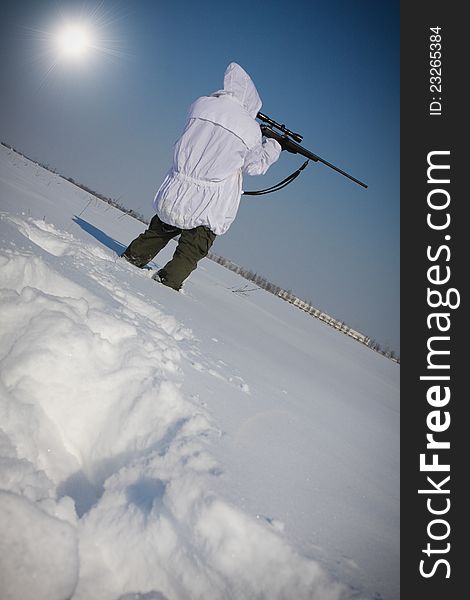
x,y
329,70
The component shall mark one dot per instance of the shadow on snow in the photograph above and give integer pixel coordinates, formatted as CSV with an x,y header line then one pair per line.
x,y
104,239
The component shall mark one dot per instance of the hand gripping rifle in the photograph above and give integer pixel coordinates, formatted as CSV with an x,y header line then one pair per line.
x,y
290,141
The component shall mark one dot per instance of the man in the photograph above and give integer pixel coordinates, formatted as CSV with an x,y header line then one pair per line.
x,y
199,197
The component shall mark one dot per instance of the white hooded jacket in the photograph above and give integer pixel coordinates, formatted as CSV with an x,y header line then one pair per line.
x,y
220,141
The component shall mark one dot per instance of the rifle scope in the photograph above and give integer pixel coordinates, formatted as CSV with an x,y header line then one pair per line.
x,y
295,136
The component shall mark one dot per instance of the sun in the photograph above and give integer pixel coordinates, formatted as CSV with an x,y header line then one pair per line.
x,y
78,40
74,40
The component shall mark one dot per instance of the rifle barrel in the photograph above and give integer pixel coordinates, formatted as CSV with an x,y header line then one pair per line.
x,y
314,157
296,148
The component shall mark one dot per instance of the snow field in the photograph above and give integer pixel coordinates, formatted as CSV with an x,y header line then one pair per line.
x,y
136,424
91,404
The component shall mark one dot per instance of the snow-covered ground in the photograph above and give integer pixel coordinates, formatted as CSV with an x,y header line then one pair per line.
x,y
155,445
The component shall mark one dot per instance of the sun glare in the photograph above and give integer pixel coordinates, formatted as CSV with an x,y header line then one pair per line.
x,y
73,41
78,40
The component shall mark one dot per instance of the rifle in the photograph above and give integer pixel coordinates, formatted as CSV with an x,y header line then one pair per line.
x,y
290,141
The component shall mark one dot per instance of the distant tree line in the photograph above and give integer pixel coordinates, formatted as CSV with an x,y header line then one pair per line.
x,y
111,201
308,307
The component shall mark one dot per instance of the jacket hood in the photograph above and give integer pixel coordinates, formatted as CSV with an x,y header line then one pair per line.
x,y
239,85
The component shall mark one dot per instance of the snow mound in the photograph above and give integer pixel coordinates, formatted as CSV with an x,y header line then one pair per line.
x,y
39,553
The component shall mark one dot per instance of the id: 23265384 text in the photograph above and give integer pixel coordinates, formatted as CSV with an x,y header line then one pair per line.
x,y
435,71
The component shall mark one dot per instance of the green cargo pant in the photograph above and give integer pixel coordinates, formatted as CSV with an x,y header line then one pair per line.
x,y
193,245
